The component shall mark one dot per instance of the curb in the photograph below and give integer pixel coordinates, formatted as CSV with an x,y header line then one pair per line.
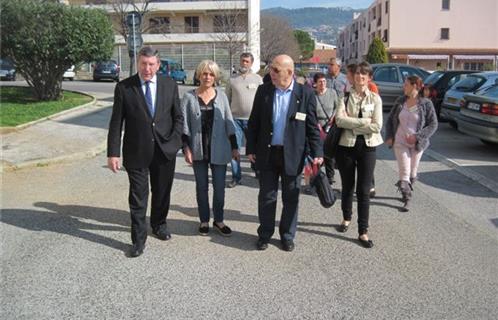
x,y
5,130
7,167
482,180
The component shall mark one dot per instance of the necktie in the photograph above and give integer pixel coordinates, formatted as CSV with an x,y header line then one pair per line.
x,y
148,98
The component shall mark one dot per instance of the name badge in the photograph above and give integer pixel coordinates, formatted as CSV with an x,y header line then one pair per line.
x,y
368,107
300,116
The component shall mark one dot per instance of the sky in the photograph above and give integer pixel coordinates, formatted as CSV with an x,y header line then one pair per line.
x,y
292,4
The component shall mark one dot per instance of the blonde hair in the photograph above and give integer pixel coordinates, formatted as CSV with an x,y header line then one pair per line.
x,y
209,65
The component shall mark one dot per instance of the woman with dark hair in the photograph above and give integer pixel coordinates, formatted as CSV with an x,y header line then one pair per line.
x,y
411,122
361,120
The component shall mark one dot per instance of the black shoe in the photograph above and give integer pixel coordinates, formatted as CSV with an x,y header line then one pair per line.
x,y
225,231
233,184
372,193
366,243
204,230
343,227
135,251
288,245
162,232
262,244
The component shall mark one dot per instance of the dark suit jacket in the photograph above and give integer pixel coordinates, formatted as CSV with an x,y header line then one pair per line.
x,y
300,137
142,131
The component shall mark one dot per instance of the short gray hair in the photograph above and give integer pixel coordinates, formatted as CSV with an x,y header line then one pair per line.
x,y
247,55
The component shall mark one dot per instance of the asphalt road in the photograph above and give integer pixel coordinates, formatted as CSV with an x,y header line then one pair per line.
x,y
65,231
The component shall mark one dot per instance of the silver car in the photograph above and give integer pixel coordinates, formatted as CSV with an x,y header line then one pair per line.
x,y
390,77
478,115
453,98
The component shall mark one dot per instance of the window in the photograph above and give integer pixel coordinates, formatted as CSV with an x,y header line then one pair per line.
x,y
159,25
387,7
446,4
386,74
191,24
476,66
407,71
445,33
384,38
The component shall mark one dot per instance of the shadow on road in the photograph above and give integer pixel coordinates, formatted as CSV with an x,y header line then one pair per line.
x,y
67,219
451,180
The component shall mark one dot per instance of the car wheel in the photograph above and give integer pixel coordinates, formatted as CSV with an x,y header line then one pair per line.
x,y
183,81
95,79
71,79
489,143
453,124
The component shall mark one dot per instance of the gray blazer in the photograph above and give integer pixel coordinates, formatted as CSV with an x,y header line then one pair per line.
x,y
425,128
223,127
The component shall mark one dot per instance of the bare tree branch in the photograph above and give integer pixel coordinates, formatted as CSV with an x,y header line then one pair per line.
x,y
277,38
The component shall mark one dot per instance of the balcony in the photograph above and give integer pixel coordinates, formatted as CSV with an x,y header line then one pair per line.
x,y
176,6
154,39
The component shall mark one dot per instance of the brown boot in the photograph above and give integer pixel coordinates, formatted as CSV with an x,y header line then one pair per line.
x,y
406,193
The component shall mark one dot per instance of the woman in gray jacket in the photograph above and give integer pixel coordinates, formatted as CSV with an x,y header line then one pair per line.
x,y
411,122
209,141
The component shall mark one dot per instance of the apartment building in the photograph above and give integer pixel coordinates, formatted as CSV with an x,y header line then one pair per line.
x,y
189,31
432,34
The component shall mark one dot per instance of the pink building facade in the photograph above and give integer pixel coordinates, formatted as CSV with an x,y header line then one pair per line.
x,y
432,34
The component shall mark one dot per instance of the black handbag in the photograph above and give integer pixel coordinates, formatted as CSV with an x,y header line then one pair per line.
x,y
323,189
331,142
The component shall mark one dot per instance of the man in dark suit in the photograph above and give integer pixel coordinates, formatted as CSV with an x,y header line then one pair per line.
x,y
282,130
149,107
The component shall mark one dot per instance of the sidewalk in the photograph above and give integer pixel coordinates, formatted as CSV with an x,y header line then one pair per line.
x,y
72,135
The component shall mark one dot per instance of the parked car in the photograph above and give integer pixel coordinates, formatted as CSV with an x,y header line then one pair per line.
x,y
453,97
69,74
440,82
195,81
106,70
478,115
173,70
389,78
7,70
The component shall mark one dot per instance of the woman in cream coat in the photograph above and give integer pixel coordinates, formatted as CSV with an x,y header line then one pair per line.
x,y
360,116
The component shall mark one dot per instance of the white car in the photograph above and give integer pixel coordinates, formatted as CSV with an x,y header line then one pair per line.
x,y
69,74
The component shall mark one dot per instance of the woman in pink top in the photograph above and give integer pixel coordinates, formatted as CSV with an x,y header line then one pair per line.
x,y
411,122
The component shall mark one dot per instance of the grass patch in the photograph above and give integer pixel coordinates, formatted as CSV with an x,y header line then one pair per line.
x,y
18,105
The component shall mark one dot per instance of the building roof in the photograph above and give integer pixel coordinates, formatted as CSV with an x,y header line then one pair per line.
x,y
321,56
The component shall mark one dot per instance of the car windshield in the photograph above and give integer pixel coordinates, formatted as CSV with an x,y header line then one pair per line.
x,y
434,77
469,84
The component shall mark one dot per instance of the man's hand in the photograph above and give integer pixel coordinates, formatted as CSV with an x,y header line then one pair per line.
x,y
188,155
318,161
235,155
113,164
252,158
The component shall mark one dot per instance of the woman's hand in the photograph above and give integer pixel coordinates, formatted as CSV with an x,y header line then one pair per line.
x,y
188,155
411,138
389,142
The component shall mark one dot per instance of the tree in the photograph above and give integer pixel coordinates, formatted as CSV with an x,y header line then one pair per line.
x,y
230,28
377,52
44,39
277,38
306,44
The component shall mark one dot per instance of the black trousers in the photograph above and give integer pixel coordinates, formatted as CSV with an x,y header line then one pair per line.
x,y
359,159
161,172
267,199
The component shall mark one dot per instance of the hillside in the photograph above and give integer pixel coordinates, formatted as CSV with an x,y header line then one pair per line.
x,y
322,23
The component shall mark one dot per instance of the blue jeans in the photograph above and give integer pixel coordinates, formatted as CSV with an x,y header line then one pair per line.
x,y
240,129
218,173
